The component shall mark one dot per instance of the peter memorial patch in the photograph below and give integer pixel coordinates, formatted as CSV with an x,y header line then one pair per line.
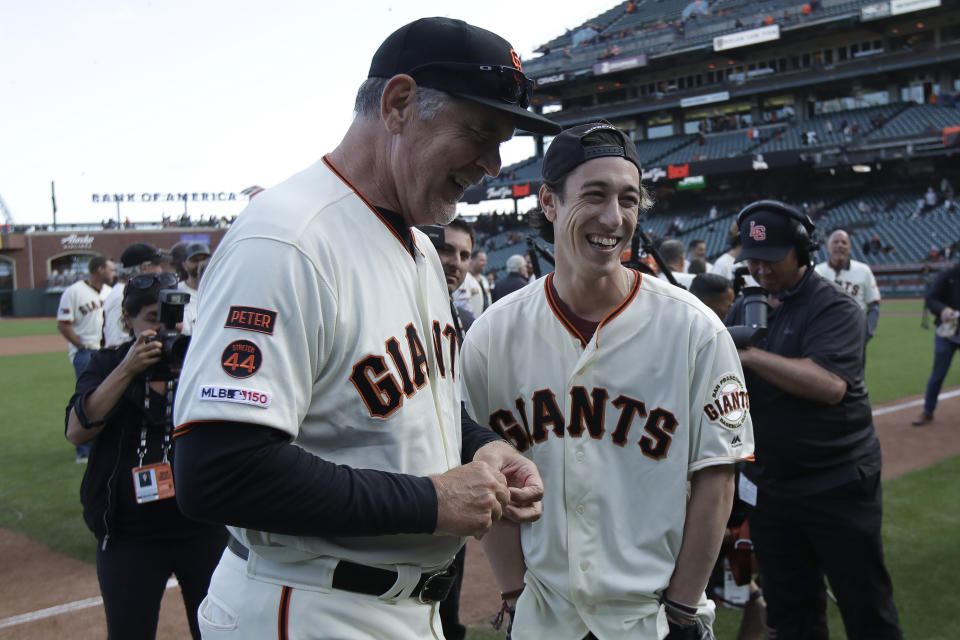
x,y
730,402
251,319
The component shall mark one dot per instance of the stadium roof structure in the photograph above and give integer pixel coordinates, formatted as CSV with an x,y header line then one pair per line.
x,y
783,78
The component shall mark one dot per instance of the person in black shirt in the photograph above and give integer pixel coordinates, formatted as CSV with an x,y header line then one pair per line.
x,y
127,490
813,493
943,301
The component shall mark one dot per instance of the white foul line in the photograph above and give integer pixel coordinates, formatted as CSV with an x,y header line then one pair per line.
x,y
62,608
914,403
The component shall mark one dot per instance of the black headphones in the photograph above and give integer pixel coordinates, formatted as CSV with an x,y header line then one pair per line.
x,y
804,231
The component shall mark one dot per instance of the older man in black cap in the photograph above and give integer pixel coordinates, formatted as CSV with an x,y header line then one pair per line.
x,y
318,409
813,494
138,258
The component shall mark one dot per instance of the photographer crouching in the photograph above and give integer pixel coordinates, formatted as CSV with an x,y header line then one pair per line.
x,y
123,403
813,495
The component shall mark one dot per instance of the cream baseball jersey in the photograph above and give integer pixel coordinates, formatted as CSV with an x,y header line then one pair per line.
x,y
82,306
190,309
114,330
856,279
470,292
616,424
317,320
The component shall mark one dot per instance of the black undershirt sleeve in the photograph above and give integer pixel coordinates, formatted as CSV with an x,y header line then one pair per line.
x,y
474,436
251,476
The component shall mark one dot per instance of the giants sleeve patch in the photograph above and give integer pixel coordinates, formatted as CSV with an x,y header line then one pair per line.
x,y
251,319
730,402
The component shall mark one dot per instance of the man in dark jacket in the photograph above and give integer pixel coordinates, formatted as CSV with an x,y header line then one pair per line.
x,y
943,301
516,277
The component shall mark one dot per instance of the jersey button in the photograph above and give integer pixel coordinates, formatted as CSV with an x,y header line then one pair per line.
x,y
584,565
581,509
579,456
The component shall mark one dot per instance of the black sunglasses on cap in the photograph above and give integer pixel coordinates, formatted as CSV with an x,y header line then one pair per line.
x,y
147,280
495,81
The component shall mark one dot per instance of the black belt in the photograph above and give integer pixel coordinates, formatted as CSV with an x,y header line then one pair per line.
x,y
359,578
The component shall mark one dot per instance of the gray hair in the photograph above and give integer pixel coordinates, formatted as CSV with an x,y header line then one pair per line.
x,y
672,251
515,263
367,105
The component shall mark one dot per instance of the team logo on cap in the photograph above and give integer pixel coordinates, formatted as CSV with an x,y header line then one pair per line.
x,y
758,231
730,402
516,60
241,359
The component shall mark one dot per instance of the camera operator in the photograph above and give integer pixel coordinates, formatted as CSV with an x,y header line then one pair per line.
x,y
813,494
128,490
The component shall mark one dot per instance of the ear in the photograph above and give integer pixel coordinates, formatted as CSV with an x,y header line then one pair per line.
x,y
548,202
398,102
126,320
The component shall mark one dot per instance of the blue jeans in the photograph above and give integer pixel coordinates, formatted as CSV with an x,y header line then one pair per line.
x,y
80,361
943,350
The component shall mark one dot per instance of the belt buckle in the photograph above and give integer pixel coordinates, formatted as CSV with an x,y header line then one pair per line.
x,y
426,596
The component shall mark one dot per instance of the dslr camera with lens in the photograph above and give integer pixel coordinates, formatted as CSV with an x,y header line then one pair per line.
x,y
170,304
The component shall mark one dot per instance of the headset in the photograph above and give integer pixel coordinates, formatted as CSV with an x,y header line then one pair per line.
x,y
805,236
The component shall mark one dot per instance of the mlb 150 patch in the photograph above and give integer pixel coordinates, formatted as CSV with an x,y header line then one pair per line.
x,y
241,359
216,393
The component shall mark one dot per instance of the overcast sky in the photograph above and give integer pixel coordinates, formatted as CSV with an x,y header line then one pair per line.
x,y
134,96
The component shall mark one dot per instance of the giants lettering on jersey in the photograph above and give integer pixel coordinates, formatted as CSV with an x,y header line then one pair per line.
x,y
850,287
383,388
84,309
587,411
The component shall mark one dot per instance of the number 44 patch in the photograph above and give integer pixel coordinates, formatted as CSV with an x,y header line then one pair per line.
x,y
241,359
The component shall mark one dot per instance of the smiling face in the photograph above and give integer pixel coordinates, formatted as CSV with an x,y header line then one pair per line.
x,y
434,161
839,248
593,221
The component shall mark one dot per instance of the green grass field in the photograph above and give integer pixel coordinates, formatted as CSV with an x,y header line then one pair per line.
x,y
18,328
39,482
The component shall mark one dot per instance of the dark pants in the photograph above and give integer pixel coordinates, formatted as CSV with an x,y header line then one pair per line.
x,y
80,361
453,629
943,351
133,576
835,534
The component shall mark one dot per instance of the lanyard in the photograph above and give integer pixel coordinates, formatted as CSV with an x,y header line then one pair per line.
x,y
167,421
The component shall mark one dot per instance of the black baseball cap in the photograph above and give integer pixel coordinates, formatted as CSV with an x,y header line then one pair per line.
x,y
566,151
767,235
194,249
465,61
138,253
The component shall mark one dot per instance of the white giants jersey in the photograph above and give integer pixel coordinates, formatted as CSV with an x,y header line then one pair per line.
x,y
318,321
82,306
471,292
190,309
616,425
856,279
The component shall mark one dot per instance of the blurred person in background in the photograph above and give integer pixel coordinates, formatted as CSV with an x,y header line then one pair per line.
x,y
80,320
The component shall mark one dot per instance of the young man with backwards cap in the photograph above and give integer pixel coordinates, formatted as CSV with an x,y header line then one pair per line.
x,y
621,388
813,495
319,411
